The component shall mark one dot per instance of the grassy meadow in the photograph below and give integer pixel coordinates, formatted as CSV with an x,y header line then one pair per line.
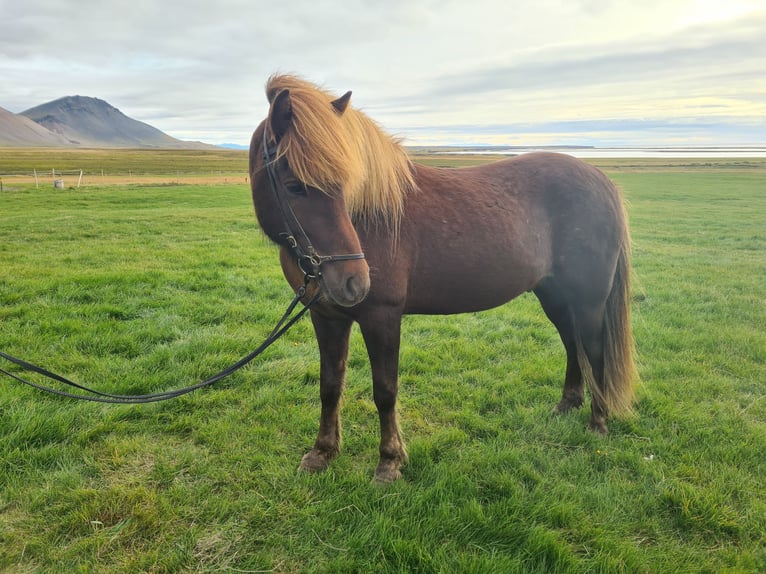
x,y
144,287
102,167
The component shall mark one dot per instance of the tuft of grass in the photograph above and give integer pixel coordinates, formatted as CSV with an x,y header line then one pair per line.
x,y
140,288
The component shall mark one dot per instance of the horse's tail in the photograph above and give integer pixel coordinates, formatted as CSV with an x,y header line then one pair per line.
x,y
616,394
619,346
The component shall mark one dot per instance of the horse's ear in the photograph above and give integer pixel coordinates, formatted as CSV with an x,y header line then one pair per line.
x,y
341,103
281,114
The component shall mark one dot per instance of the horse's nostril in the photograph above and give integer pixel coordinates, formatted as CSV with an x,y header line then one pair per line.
x,y
356,288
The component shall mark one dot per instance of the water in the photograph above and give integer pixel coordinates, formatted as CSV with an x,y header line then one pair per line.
x,y
625,152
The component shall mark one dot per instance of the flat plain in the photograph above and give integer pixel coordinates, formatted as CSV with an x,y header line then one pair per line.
x,y
138,286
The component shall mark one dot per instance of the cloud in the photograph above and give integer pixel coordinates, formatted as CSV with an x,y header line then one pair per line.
x,y
691,62
196,70
695,81
619,133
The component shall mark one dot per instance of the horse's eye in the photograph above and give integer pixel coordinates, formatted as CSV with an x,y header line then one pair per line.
x,y
296,189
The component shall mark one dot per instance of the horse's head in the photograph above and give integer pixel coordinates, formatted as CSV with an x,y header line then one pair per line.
x,y
304,212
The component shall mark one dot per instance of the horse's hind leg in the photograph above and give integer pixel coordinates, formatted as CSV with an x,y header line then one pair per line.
x,y
332,337
589,322
556,308
581,328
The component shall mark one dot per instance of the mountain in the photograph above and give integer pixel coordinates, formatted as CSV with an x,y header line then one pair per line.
x,y
17,130
79,121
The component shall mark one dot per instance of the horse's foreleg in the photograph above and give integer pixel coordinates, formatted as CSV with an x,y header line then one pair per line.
x,y
381,335
332,337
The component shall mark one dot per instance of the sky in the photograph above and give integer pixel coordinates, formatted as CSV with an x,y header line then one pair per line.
x,y
478,72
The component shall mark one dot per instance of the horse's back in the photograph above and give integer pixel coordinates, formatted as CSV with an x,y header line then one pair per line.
x,y
553,175
476,237
574,199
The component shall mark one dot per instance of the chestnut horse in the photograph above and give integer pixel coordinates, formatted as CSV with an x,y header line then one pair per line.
x,y
377,237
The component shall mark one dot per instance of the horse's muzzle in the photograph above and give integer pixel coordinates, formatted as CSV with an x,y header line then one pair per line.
x,y
343,286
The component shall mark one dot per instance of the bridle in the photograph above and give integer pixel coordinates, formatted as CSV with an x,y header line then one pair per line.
x,y
295,237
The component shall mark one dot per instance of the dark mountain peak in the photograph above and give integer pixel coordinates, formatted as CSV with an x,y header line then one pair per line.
x,y
87,121
69,105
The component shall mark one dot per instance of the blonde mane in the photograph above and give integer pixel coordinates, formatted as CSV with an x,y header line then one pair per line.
x,y
329,150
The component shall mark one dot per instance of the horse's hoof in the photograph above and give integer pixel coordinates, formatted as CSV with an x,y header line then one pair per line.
x,y
387,477
598,427
387,472
316,461
567,404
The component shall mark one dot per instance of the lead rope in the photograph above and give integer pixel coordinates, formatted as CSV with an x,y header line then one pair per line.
x,y
282,326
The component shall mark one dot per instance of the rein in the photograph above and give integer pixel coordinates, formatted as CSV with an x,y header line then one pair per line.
x,y
309,261
88,394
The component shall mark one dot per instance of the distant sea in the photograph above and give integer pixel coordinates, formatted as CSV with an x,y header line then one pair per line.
x,y
609,152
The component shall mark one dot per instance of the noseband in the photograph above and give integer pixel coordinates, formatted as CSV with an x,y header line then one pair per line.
x,y
309,261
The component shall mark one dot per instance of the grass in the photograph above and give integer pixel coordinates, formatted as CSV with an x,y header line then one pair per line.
x,y
141,288
121,166
140,161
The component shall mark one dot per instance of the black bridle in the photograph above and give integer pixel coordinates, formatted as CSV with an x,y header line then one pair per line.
x,y
295,237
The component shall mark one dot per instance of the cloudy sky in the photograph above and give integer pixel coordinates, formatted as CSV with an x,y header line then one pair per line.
x,y
506,72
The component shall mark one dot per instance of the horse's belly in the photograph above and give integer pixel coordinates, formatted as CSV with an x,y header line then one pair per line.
x,y
473,257
468,290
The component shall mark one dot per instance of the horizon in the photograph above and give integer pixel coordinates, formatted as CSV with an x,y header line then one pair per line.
x,y
470,140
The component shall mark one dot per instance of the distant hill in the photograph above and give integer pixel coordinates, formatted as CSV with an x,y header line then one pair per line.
x,y
79,121
234,146
17,130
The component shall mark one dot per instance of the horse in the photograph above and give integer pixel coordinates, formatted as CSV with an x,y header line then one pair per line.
x,y
372,236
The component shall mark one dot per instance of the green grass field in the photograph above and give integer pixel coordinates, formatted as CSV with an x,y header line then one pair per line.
x,y
140,161
141,288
